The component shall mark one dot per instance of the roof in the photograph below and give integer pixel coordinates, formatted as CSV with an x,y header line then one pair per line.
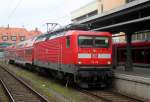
x,y
4,30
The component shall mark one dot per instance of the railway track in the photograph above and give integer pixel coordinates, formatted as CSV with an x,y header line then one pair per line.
x,y
17,89
4,95
110,96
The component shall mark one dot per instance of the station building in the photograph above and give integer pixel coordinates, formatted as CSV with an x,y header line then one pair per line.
x,y
96,7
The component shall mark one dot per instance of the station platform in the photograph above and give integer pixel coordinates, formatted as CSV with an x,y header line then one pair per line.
x,y
134,83
137,71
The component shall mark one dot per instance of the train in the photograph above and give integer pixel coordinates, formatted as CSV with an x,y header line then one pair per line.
x,y
71,53
140,48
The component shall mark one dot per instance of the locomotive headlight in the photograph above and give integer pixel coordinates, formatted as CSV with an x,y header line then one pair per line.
x,y
79,62
108,62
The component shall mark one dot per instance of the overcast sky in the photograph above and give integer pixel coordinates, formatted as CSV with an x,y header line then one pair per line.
x,y
35,13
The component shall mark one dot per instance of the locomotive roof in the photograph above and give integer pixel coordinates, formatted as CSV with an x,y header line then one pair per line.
x,y
53,35
80,32
73,26
64,31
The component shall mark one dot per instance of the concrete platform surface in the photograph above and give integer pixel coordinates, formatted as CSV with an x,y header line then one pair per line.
x,y
135,83
137,71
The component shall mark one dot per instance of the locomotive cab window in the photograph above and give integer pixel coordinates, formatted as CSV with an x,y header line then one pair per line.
x,y
101,41
85,41
67,42
93,41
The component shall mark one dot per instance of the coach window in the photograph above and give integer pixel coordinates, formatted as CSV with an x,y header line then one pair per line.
x,y
29,51
67,41
148,36
133,37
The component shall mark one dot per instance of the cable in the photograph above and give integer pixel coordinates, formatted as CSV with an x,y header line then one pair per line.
x,y
15,8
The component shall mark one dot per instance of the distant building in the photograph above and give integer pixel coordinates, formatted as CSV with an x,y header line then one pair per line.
x,y
119,38
12,35
96,7
34,33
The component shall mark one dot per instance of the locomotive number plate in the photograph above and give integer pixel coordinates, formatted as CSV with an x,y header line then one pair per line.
x,y
94,55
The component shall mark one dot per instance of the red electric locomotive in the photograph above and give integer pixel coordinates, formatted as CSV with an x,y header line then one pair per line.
x,y
84,57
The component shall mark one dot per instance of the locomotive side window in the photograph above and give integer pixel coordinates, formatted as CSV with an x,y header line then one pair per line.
x,y
67,41
101,41
85,41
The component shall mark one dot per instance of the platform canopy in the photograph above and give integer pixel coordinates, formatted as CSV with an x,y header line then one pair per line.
x,y
131,17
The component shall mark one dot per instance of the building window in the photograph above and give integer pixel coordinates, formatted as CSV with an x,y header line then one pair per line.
x,y
92,13
102,8
80,18
127,1
13,38
22,38
5,38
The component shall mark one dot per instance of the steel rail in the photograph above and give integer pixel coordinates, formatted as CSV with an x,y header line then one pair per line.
x,y
93,95
26,85
106,99
7,91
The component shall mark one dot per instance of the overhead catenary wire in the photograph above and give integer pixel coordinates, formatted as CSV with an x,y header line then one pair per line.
x,y
52,10
14,9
